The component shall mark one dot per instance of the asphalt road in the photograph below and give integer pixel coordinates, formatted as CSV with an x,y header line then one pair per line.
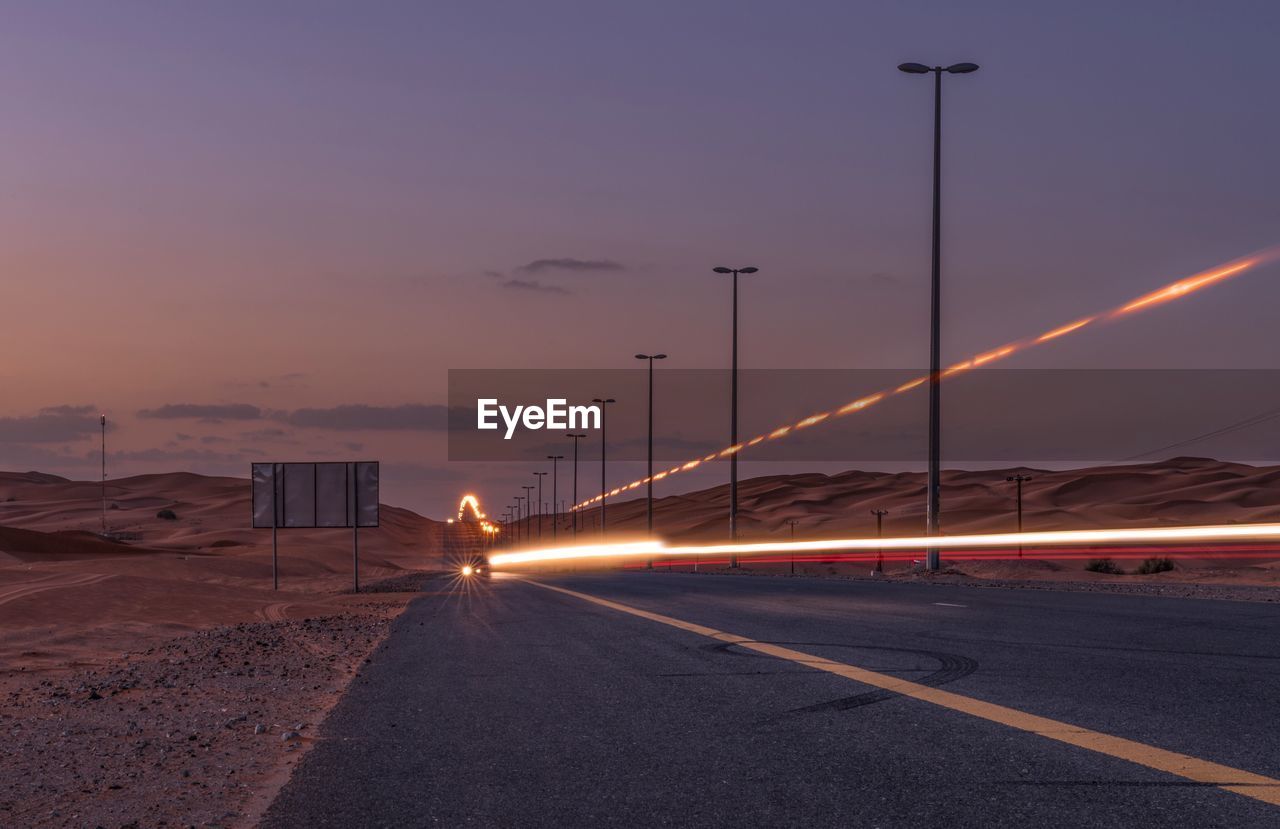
x,y
517,706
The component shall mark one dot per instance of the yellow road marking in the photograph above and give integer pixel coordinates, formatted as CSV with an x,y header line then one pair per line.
x,y
1235,780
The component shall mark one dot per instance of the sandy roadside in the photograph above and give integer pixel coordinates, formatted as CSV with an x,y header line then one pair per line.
x,y
199,730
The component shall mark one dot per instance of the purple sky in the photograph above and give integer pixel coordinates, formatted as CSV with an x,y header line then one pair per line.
x,y
297,208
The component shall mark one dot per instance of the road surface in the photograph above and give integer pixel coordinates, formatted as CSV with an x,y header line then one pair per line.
x,y
710,700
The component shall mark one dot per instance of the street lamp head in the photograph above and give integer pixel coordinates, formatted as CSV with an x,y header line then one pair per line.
x,y
642,356
747,270
659,356
555,457
605,400
572,435
723,270
914,68
962,68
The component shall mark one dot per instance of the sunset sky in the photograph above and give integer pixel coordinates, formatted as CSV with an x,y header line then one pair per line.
x,y
266,230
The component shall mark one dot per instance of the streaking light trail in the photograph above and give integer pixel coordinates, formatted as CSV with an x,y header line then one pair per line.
x,y
1176,290
1137,535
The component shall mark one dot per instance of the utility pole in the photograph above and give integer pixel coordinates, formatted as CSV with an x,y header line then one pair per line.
x,y
104,474
879,514
792,523
1019,479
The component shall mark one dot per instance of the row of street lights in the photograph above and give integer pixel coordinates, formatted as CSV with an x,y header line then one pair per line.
x,y
933,486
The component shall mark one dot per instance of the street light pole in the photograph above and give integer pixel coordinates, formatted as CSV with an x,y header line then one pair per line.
x,y
540,475
733,414
649,473
555,484
576,510
528,511
879,514
604,409
933,502
1019,479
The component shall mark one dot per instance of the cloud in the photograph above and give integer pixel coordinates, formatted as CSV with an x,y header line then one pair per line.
x,y
359,417
534,286
571,264
202,411
52,424
270,433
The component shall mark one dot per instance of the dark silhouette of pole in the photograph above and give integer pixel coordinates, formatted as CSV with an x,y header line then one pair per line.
x,y
1019,479
604,407
792,523
733,414
649,473
555,484
528,511
933,503
576,509
540,475
104,474
879,514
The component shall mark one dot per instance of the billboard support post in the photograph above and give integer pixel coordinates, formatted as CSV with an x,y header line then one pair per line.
x,y
275,523
355,530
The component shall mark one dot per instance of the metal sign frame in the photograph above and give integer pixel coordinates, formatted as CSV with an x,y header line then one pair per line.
x,y
357,503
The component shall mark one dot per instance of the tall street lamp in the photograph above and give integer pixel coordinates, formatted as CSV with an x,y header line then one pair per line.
x,y
733,416
1019,479
576,438
555,484
540,475
519,514
933,526
649,474
528,511
604,408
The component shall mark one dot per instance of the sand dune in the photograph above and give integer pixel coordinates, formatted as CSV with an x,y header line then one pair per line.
x,y
65,590
1179,491
67,593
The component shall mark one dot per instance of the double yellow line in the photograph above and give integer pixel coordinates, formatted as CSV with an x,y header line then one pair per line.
x,y
1235,780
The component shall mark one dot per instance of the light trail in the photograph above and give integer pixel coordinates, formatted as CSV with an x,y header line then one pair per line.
x,y
649,549
1173,291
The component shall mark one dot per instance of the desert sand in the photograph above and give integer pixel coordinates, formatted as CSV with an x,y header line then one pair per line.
x,y
172,683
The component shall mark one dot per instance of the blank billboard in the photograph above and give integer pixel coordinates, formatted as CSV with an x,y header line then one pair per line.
x,y
311,495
